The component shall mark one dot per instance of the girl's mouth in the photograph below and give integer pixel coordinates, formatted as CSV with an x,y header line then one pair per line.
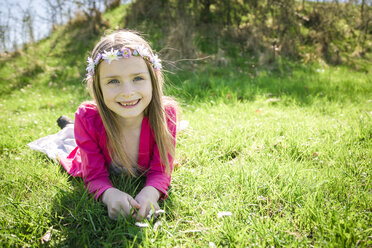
x,y
129,104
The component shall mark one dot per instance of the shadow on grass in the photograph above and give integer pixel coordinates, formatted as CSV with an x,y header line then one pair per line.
x,y
83,222
288,82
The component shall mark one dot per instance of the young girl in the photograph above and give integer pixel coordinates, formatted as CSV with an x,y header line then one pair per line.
x,y
130,127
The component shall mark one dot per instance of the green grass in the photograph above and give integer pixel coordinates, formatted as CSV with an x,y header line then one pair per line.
x,y
287,151
293,173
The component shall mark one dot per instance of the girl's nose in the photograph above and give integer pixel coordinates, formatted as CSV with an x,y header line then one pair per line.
x,y
127,89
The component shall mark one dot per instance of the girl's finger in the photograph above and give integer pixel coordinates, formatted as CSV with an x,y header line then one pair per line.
x,y
124,210
133,212
156,206
133,203
141,213
124,207
112,215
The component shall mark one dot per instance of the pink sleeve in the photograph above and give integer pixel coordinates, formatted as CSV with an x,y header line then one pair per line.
x,y
94,170
156,175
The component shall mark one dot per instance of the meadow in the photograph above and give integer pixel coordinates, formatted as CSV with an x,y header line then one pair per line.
x,y
271,157
287,153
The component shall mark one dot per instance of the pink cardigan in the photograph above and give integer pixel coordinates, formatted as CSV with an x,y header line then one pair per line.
x,y
91,160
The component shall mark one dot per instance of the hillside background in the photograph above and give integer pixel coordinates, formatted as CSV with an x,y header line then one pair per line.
x,y
337,32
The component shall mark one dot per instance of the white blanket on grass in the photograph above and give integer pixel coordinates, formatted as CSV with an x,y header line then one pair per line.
x,y
56,145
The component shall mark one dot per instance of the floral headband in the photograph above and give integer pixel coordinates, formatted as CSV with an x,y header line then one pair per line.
x,y
111,55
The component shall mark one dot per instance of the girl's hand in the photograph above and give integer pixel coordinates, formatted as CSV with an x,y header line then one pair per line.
x,y
147,198
118,202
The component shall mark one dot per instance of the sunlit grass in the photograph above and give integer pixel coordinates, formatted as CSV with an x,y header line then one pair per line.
x,y
288,153
285,149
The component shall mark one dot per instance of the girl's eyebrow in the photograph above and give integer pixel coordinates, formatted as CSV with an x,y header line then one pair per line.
x,y
133,74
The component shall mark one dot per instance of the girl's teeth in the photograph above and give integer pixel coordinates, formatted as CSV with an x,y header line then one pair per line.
x,y
129,104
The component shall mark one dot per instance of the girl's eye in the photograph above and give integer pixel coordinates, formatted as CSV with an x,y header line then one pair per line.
x,y
114,81
138,78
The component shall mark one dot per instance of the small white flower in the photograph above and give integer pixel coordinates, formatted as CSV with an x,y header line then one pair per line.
x,y
160,211
90,66
157,62
142,224
144,52
261,198
149,215
99,56
183,125
110,56
212,245
157,225
157,213
223,213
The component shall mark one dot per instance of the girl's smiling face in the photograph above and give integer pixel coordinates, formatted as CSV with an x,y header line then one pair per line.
x,y
126,86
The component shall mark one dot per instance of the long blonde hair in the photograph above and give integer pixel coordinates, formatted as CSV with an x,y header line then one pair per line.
x,y
155,111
